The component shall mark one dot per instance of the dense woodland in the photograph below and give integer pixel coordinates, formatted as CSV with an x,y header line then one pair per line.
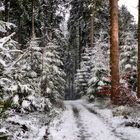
x,y
55,50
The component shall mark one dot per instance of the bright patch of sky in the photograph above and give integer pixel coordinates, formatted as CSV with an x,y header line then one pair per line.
x,y
132,6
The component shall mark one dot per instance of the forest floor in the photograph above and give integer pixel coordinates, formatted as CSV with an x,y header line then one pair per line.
x,y
84,121
80,120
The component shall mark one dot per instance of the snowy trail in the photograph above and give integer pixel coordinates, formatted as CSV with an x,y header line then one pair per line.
x,y
79,123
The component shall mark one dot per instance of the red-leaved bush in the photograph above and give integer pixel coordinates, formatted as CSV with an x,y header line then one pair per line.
x,y
125,96
104,91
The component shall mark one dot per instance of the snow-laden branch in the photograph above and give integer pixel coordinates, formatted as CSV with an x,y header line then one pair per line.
x,y
17,60
4,40
11,51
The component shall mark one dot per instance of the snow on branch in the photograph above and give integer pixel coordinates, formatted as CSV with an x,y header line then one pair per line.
x,y
4,40
17,60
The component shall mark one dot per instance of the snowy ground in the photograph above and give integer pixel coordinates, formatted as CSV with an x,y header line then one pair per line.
x,y
83,121
79,121
31,126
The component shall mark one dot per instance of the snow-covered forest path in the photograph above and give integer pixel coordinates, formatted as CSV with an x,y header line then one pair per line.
x,y
79,122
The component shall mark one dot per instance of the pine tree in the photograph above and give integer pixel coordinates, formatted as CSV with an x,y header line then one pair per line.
x,y
8,56
53,82
128,60
100,77
126,24
83,74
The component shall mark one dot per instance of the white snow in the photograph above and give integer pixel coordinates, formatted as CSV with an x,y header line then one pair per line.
x,y
4,25
25,104
101,83
95,127
16,99
93,79
128,66
64,127
79,121
117,122
2,8
35,123
86,125
3,130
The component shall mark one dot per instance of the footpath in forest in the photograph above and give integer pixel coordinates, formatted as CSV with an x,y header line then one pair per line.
x,y
80,121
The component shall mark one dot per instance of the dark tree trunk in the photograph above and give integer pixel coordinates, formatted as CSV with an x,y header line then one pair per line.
x,y
33,18
138,86
91,31
6,10
92,24
7,5
114,51
78,45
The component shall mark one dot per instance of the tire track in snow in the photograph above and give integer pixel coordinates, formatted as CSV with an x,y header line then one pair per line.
x,y
94,127
113,130
78,122
83,135
64,127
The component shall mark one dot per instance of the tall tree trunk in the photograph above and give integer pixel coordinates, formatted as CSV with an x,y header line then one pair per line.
x,y
7,5
91,30
6,10
138,86
92,24
33,18
114,51
78,46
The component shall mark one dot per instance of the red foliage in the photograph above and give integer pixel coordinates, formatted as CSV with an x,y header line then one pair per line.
x,y
125,97
104,91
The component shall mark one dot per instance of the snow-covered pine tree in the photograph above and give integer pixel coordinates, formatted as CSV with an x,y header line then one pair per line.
x,y
83,74
100,68
128,48
28,73
128,61
9,53
93,74
126,24
53,75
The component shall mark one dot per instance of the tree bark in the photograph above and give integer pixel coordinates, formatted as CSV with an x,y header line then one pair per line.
x,y
7,5
33,18
91,31
92,24
114,51
138,83
6,10
78,46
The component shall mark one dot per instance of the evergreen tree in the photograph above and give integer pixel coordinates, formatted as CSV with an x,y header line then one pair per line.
x,y
100,77
126,24
53,82
128,60
83,74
